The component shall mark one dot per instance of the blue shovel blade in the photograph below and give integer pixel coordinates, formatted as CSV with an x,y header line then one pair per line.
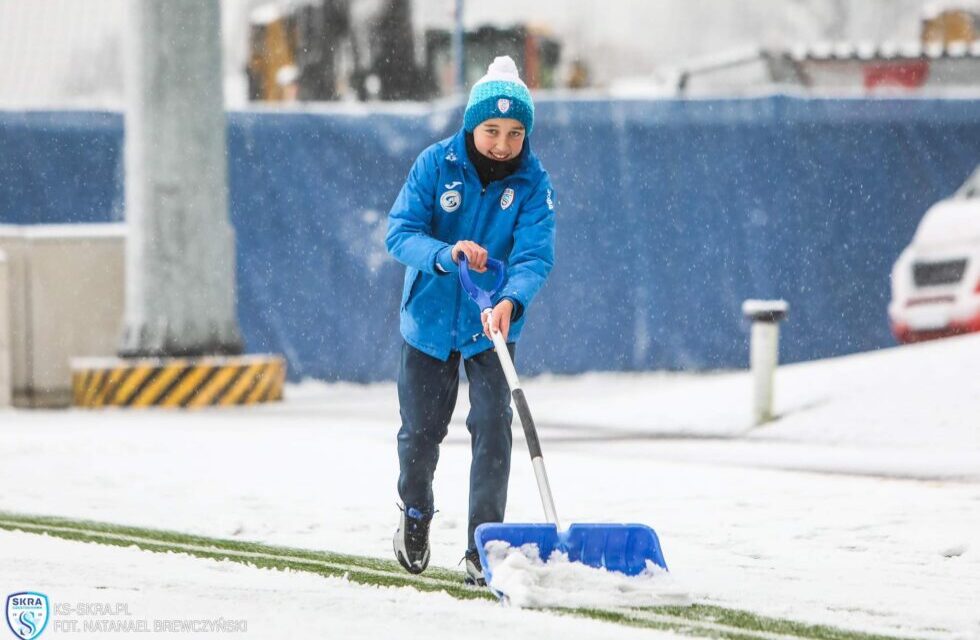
x,y
624,548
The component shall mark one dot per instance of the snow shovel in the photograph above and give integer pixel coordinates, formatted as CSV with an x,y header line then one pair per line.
x,y
624,548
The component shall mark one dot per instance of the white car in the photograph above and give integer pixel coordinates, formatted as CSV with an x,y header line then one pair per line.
x,y
936,280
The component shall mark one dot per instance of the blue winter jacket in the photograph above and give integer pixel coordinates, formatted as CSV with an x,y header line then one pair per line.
x,y
442,202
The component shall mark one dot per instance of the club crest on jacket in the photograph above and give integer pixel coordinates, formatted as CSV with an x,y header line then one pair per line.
x,y
450,201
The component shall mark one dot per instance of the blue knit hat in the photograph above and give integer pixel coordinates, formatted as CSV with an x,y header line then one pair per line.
x,y
499,94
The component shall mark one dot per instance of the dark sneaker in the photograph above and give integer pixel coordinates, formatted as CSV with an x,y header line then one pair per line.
x,y
411,541
474,570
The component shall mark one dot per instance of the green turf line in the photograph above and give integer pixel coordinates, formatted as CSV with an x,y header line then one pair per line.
x,y
701,621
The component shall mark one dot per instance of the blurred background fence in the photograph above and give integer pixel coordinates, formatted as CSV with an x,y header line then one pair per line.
x,y
670,213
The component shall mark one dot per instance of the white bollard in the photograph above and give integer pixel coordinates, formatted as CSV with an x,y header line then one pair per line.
x,y
6,382
764,351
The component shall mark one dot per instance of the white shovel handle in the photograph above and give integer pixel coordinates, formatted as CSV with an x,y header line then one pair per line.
x,y
530,432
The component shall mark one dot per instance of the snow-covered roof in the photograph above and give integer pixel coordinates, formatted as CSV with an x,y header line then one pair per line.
x,y
883,50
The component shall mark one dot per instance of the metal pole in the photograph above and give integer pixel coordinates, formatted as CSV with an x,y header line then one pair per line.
x,y
764,358
764,352
180,261
458,52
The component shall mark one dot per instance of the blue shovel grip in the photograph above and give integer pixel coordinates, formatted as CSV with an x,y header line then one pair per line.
x,y
483,298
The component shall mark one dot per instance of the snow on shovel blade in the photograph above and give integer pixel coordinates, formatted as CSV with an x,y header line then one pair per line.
x,y
624,548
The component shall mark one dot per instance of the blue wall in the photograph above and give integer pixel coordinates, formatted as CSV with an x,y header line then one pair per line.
x,y
670,213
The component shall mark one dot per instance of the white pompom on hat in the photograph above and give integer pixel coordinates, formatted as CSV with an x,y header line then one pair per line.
x,y
504,69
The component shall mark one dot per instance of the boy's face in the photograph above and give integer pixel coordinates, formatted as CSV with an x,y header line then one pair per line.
x,y
499,138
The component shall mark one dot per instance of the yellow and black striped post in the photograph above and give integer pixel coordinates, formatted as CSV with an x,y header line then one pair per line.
x,y
177,382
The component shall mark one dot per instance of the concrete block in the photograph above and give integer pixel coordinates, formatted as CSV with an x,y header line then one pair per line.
x,y
6,383
67,287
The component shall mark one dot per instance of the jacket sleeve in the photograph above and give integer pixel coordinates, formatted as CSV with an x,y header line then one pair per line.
x,y
533,253
410,220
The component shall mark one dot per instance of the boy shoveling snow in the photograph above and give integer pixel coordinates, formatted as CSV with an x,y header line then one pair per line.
x,y
481,193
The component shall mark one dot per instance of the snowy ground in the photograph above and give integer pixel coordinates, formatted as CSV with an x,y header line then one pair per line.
x,y
858,508
180,590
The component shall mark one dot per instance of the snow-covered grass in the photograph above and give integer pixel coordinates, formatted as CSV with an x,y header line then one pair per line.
x,y
857,508
272,603
584,600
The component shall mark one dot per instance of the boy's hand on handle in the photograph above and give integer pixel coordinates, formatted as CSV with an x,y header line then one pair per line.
x,y
501,319
476,255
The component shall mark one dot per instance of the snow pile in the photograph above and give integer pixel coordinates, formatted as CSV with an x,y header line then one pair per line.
x,y
530,582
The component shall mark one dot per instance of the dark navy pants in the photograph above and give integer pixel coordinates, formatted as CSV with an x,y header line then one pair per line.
x,y
427,389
